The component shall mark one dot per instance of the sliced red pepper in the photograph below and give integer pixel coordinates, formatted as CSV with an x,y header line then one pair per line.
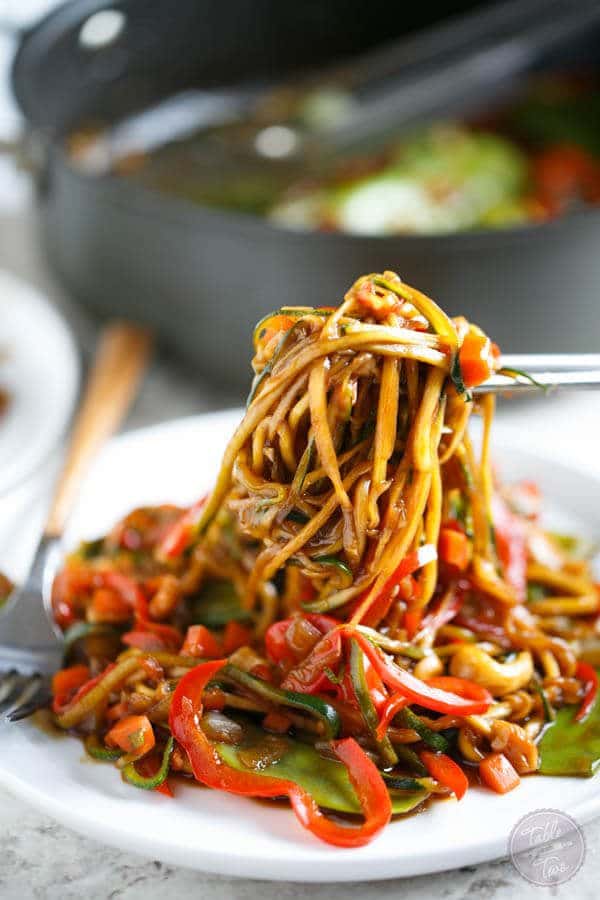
x,y
66,683
488,629
391,708
473,699
310,676
589,676
277,645
511,544
462,687
446,771
443,612
180,534
167,637
372,609
208,768
82,691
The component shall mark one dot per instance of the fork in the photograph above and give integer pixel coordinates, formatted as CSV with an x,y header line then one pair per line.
x,y
31,646
530,372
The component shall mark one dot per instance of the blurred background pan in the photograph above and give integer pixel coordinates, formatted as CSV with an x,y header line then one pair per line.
x,y
204,276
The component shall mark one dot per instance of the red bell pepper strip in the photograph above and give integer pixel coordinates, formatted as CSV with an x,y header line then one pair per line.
x,y
589,676
443,612
511,544
310,676
462,687
66,683
209,769
472,700
489,630
372,609
446,771
180,534
85,688
393,706
167,637
276,643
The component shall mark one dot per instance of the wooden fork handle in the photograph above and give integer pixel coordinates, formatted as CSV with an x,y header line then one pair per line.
x,y
119,363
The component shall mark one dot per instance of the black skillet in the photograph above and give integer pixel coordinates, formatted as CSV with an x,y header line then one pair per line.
x,y
203,276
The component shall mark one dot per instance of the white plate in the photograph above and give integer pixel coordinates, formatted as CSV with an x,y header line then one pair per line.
x,y
219,833
39,366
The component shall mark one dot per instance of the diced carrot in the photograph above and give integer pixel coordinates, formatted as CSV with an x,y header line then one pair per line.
x,y
454,548
475,358
235,636
108,606
199,641
498,773
134,735
275,325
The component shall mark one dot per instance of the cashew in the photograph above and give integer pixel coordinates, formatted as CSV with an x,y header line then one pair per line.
x,y
428,667
499,678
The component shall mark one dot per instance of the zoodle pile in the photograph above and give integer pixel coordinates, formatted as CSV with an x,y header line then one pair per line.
x,y
358,617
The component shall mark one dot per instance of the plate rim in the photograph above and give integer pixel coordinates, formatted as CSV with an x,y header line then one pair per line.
x,y
38,301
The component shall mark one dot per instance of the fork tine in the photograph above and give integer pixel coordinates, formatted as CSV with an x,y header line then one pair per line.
x,y
40,699
8,680
21,689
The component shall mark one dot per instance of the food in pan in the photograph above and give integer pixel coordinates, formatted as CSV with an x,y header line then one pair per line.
x,y
359,617
534,159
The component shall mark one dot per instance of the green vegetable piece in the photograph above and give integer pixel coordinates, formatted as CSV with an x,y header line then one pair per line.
x,y
149,783
365,703
432,738
216,604
568,747
96,750
324,778
314,706
337,564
